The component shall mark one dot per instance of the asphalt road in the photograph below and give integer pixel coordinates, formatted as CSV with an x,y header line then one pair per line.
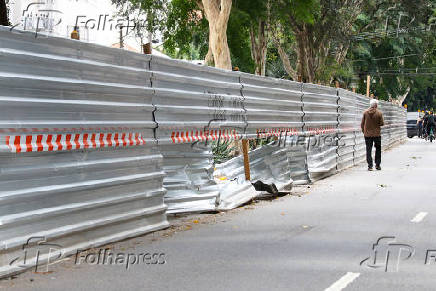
x,y
313,242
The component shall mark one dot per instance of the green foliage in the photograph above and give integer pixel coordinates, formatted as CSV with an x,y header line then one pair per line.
x,y
374,51
148,12
185,29
238,37
304,11
274,65
260,142
222,151
181,23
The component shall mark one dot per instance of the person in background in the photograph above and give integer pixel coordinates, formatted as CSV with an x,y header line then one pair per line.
x,y
371,124
419,123
431,123
424,124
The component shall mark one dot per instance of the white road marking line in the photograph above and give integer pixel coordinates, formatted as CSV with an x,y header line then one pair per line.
x,y
419,217
343,282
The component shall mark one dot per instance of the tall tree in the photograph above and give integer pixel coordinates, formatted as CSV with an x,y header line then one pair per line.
x,y
217,13
319,33
238,37
395,44
258,14
180,25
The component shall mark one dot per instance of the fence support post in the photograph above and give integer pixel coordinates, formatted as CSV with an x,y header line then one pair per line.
x,y
246,159
368,84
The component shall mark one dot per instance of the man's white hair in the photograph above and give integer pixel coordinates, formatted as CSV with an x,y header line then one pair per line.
x,y
373,103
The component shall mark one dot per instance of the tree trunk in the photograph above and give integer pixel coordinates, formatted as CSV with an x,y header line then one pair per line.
x,y
259,47
3,13
217,13
208,60
286,62
305,55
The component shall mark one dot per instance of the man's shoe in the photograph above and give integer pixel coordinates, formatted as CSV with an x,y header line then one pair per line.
x,y
378,168
369,168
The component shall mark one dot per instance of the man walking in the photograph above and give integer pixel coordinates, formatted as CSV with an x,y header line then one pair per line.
x,y
372,120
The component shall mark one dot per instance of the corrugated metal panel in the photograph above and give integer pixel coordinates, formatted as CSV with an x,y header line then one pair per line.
x,y
297,158
234,189
320,105
362,103
401,119
78,160
398,129
195,104
386,130
273,107
268,164
189,181
347,128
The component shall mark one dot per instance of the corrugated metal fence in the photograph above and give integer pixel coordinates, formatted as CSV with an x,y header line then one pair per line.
x,y
94,140
78,159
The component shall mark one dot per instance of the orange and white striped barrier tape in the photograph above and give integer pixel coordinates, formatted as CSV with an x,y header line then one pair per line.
x,y
66,142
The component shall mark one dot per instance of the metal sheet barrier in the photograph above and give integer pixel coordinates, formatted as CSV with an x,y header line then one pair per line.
x,y
93,138
234,189
273,107
78,159
348,126
362,103
320,106
268,164
189,182
385,132
297,158
194,104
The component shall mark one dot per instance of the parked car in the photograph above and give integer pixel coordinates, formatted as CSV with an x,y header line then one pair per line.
x,y
412,128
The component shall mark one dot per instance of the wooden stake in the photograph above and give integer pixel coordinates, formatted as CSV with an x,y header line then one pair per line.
x,y
246,159
368,84
146,48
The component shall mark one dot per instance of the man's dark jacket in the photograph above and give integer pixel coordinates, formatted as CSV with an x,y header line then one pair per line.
x,y
372,120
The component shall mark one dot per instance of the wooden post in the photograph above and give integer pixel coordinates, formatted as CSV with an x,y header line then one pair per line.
x,y
299,78
121,37
354,90
368,84
246,159
146,48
